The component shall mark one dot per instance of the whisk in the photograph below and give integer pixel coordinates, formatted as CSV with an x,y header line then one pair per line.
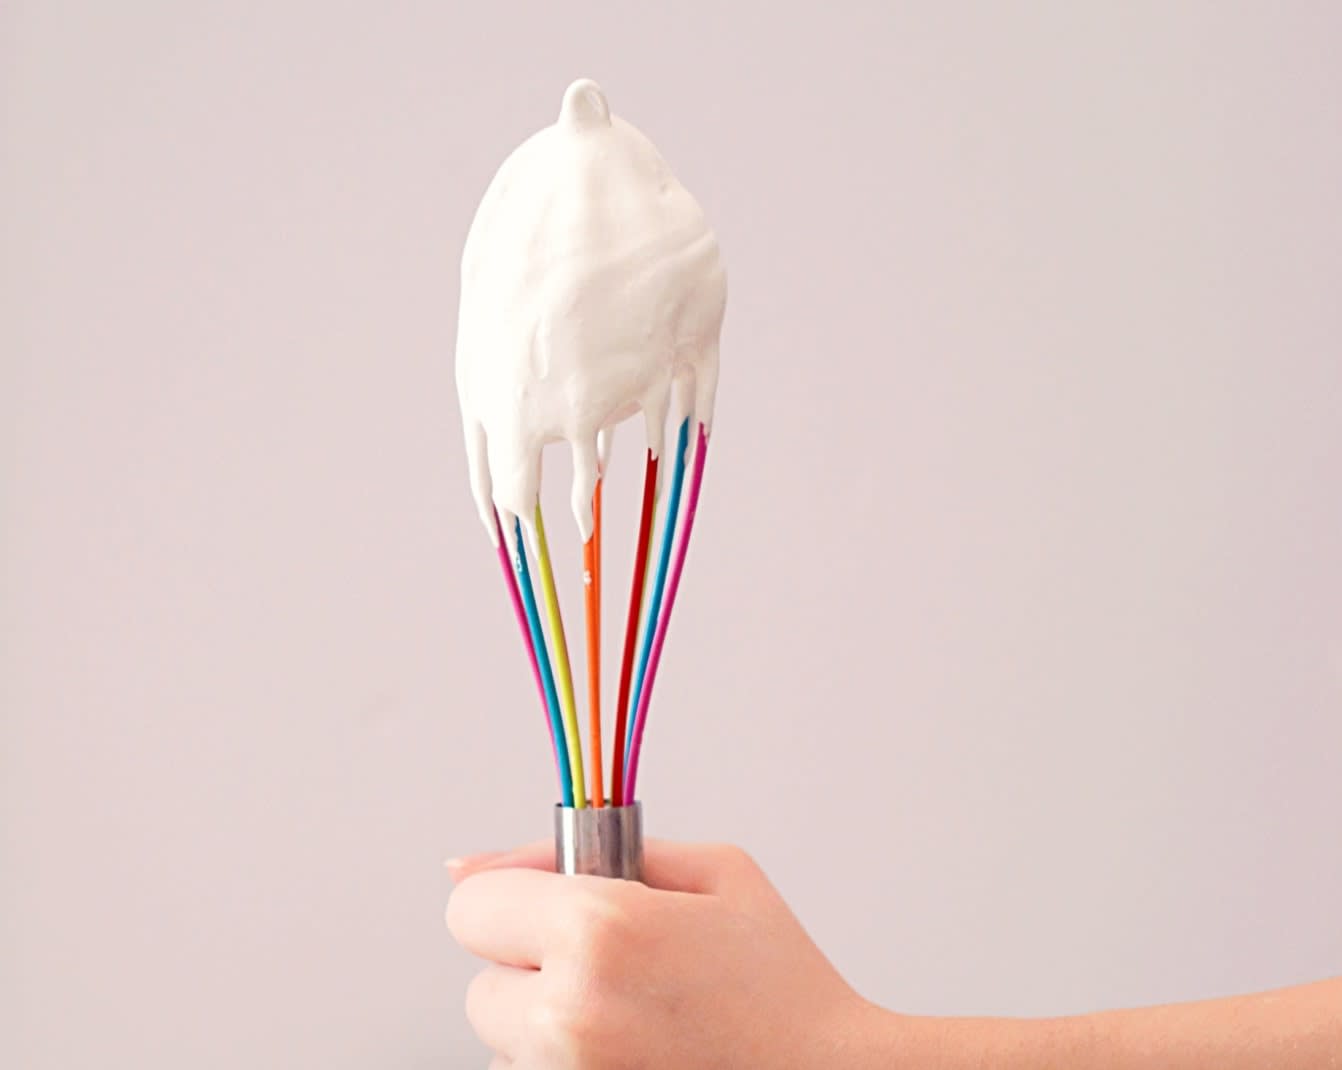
x,y
592,290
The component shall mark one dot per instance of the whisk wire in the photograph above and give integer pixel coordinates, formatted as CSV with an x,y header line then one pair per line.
x,y
637,591
563,668
519,611
541,659
645,693
659,583
592,590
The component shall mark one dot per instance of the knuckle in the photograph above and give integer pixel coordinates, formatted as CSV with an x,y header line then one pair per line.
x,y
477,997
566,1026
556,1028
551,1022
600,920
733,859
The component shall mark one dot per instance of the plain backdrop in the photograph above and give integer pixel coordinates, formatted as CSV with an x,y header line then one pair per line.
x,y
1011,638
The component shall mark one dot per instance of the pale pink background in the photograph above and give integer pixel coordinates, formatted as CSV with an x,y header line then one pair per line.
x,y
1011,641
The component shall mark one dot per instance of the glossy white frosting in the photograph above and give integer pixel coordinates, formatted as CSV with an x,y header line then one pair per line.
x,y
591,289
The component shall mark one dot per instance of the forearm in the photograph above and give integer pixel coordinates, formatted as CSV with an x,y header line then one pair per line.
x,y
1293,1028
1288,1028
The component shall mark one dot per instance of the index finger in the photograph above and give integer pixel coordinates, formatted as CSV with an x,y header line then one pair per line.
x,y
505,915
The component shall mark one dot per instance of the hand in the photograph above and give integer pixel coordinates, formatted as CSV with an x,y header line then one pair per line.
x,y
705,967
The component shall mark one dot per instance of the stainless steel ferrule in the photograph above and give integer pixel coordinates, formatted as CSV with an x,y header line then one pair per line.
x,y
603,842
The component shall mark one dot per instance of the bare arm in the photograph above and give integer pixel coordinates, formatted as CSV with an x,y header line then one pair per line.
x,y
709,968
1298,1027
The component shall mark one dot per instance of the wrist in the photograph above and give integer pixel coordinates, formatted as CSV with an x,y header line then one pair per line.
x,y
862,1036
874,1038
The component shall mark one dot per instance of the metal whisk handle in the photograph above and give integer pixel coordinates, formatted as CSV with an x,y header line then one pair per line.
x,y
604,842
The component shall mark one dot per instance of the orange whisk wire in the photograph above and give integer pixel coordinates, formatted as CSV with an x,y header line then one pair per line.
x,y
591,560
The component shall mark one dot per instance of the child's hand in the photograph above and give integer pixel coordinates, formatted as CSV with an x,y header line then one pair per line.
x,y
705,967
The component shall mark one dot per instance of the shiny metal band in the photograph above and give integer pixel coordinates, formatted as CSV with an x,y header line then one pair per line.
x,y
604,842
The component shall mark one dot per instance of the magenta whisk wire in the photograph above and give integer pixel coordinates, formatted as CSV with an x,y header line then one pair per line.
x,y
515,596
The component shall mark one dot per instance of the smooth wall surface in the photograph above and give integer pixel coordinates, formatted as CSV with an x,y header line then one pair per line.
x,y
1011,639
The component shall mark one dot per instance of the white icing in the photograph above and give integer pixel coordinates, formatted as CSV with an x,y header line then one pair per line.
x,y
591,289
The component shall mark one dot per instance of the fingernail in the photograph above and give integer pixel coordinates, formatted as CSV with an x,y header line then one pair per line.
x,y
456,865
